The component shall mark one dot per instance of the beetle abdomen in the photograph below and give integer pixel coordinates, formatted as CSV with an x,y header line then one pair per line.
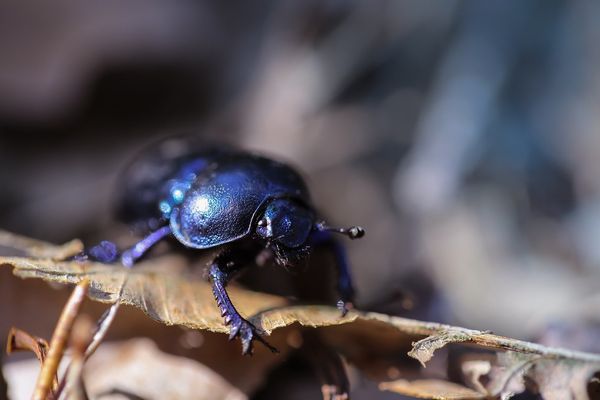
x,y
156,175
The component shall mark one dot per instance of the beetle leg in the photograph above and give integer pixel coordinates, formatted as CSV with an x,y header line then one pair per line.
x,y
107,252
344,282
130,256
220,273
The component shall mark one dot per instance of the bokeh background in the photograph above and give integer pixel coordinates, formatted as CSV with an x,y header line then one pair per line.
x,y
462,135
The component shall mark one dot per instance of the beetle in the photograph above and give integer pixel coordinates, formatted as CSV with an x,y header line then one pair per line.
x,y
243,204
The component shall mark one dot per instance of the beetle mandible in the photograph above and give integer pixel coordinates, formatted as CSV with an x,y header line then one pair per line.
x,y
242,203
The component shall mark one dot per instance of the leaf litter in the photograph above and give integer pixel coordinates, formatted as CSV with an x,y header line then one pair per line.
x,y
160,289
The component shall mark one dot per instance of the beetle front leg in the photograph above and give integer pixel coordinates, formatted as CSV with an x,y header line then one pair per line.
x,y
344,279
219,275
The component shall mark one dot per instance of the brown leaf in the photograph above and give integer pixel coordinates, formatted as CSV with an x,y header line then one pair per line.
x,y
137,367
431,389
474,370
553,378
157,287
11,243
506,374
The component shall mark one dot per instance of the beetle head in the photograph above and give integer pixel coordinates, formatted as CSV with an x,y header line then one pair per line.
x,y
286,225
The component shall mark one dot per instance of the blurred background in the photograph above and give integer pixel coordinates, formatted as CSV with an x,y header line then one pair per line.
x,y
462,135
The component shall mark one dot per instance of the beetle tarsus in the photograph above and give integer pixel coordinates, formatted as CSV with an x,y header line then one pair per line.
x,y
105,252
344,306
247,332
239,327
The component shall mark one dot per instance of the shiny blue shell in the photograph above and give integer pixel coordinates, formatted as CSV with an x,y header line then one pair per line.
x,y
210,196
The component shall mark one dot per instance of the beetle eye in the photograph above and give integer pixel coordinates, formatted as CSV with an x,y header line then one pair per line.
x,y
262,222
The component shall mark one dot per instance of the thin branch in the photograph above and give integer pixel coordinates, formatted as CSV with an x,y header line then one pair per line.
x,y
102,328
74,387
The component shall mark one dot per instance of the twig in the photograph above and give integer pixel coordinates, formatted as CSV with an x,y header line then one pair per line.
x,y
72,383
19,340
59,339
97,337
102,328
94,341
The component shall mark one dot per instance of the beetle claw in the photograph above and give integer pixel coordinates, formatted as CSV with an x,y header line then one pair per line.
x,y
105,252
235,330
344,307
247,333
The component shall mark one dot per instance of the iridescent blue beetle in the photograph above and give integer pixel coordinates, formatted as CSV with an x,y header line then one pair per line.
x,y
242,203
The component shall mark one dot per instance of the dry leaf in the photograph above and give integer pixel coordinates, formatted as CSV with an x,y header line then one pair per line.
x,y
474,370
139,368
555,379
135,367
562,380
506,374
423,349
164,292
431,389
11,243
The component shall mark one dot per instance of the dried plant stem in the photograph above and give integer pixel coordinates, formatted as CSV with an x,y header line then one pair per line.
x,y
19,340
102,328
72,383
92,343
59,339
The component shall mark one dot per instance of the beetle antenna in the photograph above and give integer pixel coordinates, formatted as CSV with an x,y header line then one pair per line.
x,y
353,232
